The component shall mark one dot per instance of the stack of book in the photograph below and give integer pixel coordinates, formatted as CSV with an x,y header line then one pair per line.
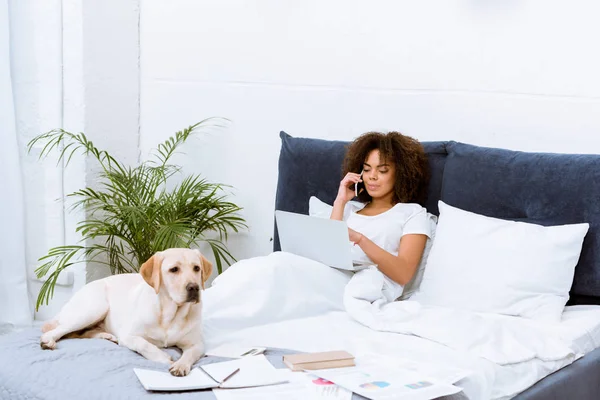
x,y
323,360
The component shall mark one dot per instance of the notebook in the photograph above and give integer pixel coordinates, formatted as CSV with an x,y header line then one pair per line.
x,y
252,371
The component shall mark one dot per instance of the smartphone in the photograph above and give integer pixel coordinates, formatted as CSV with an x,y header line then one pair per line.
x,y
358,183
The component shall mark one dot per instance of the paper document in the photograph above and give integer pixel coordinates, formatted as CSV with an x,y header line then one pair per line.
x,y
437,371
235,351
300,386
254,371
164,381
379,382
251,371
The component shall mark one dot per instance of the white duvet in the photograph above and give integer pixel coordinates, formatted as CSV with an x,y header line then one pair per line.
x,y
287,301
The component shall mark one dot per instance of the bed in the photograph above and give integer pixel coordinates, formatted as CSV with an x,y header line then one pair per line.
x,y
542,188
289,304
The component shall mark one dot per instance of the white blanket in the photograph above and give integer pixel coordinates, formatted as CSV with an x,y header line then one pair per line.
x,y
502,340
274,288
282,286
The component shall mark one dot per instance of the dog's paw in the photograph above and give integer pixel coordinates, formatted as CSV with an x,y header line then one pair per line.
x,y
47,343
179,369
108,336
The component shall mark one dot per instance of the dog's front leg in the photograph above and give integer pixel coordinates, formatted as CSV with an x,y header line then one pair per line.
x,y
145,348
191,353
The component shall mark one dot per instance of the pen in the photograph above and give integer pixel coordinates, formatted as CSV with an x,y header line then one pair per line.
x,y
230,375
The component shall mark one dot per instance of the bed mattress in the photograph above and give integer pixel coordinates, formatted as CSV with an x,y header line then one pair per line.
x,y
580,328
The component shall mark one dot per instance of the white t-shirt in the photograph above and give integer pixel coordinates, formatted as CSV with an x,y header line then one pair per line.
x,y
386,230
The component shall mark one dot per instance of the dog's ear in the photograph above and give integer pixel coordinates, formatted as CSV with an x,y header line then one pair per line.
x,y
150,271
206,267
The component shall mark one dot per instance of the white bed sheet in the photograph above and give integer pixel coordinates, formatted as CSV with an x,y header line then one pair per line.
x,y
287,302
580,326
336,330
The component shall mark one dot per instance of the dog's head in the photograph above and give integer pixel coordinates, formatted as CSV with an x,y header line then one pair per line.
x,y
180,272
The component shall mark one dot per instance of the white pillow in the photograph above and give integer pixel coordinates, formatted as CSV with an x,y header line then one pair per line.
x,y
497,266
318,208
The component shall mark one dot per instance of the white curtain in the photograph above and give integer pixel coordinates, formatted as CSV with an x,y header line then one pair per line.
x,y
15,309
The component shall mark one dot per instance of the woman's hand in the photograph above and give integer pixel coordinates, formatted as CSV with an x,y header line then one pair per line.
x,y
345,192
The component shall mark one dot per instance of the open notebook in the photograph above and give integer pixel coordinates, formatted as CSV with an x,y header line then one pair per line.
x,y
253,371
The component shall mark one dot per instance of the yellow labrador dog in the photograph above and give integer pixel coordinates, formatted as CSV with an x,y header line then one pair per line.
x,y
159,307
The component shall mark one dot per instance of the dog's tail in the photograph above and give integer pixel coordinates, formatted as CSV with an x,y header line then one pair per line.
x,y
48,326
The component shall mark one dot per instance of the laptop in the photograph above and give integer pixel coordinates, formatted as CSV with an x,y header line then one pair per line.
x,y
320,239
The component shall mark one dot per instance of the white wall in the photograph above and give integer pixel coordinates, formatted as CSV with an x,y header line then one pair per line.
x,y
111,86
514,74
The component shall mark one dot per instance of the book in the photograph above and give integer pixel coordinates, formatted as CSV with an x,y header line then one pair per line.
x,y
321,360
252,371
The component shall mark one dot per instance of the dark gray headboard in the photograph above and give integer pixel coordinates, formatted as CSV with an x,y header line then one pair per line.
x,y
543,188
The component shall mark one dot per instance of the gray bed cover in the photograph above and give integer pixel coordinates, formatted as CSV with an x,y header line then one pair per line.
x,y
90,369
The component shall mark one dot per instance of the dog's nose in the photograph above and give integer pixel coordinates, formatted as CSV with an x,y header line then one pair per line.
x,y
192,288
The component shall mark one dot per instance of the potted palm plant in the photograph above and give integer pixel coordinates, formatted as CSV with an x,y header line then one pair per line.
x,y
132,212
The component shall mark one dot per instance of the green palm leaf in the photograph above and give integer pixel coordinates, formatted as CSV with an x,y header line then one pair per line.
x,y
130,213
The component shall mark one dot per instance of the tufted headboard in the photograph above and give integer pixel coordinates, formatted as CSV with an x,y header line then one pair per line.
x,y
542,188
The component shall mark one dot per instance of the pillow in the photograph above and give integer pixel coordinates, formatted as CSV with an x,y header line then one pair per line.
x,y
491,265
318,208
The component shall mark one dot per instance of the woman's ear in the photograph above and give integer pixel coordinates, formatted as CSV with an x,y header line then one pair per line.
x,y
206,267
150,271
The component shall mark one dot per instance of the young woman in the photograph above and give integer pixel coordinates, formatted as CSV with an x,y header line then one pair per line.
x,y
387,225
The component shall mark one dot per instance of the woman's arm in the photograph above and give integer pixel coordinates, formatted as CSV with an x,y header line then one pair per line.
x,y
345,194
338,210
400,268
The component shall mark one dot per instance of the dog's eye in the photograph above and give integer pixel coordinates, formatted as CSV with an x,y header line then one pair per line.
x,y
196,268
174,269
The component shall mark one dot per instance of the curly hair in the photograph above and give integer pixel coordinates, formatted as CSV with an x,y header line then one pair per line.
x,y
406,153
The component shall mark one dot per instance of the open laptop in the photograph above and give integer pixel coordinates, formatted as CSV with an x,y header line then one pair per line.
x,y
320,239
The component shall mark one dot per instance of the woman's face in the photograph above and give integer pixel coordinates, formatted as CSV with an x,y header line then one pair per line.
x,y
378,176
